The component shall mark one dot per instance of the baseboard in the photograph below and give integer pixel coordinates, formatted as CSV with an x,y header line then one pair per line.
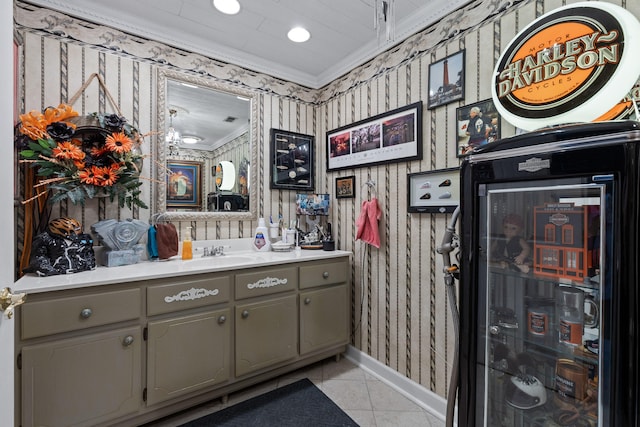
x,y
430,401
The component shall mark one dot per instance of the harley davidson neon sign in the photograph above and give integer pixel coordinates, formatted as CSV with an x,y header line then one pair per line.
x,y
570,65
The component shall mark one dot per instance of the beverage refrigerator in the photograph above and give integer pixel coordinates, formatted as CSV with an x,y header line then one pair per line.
x,y
549,228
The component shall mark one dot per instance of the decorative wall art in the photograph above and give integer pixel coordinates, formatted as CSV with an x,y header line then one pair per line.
x,y
291,160
434,191
477,125
184,184
390,137
346,187
446,80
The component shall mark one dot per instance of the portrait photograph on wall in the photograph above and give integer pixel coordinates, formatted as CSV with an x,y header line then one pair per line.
x,y
477,125
184,184
389,137
446,80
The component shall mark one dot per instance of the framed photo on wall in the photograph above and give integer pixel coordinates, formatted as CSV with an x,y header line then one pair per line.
x,y
477,125
435,191
184,184
446,80
394,136
292,160
346,187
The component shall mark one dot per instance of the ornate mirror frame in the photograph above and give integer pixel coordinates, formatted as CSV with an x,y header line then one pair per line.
x,y
161,186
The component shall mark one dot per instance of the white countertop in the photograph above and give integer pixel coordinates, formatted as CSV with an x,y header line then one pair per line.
x,y
236,257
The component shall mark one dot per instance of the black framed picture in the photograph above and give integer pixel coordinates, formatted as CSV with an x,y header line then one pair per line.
x,y
346,187
436,191
446,80
394,136
477,125
292,160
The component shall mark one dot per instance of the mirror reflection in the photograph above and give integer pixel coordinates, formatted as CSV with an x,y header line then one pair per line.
x,y
207,148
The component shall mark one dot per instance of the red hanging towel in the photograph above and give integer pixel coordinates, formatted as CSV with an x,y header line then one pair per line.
x,y
367,222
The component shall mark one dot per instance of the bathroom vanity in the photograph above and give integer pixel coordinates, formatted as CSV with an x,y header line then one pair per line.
x,y
127,345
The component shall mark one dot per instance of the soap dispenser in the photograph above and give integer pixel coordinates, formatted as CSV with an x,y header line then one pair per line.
x,y
187,245
261,237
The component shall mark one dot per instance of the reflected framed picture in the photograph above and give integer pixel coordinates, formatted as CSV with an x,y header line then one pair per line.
x,y
446,80
476,125
184,184
346,187
394,136
292,160
435,191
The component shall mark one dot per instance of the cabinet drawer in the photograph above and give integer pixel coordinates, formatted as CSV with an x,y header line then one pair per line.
x,y
266,281
77,312
326,273
168,296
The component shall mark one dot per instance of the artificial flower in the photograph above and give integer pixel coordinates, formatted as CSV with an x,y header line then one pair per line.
x,y
118,142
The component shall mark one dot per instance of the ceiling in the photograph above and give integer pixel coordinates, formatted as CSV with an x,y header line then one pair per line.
x,y
342,37
342,31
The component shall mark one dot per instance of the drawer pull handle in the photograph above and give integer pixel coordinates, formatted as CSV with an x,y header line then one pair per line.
x,y
222,319
307,301
245,314
325,274
86,313
128,340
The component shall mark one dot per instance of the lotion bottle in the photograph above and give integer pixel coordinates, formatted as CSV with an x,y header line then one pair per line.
x,y
187,245
261,237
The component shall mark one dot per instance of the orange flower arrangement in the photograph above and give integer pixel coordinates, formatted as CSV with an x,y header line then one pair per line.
x,y
77,164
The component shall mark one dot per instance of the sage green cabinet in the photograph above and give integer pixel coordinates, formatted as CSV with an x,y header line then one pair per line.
x,y
82,381
266,333
128,353
324,318
187,353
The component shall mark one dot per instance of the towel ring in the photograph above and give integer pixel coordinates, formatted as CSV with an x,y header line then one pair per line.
x,y
371,185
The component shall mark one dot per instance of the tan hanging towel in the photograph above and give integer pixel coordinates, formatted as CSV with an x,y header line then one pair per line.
x,y
167,240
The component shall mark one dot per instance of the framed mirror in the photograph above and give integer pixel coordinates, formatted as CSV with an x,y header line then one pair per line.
x,y
211,127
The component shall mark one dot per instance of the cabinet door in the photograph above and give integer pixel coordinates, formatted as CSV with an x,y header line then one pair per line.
x,y
82,381
266,333
187,354
324,319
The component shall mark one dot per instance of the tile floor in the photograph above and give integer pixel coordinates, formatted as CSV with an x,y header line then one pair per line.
x,y
369,401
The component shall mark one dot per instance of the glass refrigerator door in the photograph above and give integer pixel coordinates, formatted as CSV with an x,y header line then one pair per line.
x,y
542,245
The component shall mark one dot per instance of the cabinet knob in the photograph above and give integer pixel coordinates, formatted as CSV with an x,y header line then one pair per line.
x,y
325,274
222,319
127,341
245,314
86,313
307,301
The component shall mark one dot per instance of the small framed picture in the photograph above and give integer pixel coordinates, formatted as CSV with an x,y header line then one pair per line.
x,y
346,187
435,191
477,125
446,80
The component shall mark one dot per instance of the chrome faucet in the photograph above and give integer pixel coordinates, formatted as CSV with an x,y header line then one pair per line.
x,y
213,251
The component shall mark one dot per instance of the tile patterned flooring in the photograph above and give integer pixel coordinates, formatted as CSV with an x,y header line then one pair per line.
x,y
369,401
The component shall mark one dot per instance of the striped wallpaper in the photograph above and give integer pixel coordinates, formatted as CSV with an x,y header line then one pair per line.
x,y
400,311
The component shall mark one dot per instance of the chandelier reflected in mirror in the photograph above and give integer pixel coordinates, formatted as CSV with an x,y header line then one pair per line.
x,y
172,138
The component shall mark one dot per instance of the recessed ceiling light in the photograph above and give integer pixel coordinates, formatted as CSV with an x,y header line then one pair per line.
x,y
230,7
298,35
